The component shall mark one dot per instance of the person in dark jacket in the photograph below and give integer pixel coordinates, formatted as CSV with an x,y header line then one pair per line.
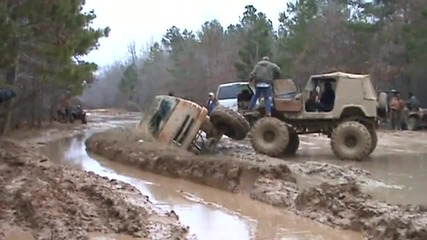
x,y
6,94
327,99
413,103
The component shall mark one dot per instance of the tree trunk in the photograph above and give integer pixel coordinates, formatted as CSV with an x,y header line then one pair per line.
x,y
11,79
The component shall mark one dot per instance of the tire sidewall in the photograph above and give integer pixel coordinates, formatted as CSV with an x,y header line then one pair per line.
x,y
281,136
357,130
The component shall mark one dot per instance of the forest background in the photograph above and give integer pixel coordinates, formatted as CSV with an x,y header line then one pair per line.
x,y
43,43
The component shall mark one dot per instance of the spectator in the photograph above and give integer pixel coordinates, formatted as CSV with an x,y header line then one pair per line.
x,y
396,106
413,103
211,103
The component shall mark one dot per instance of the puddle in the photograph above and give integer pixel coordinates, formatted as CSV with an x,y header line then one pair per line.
x,y
398,161
210,213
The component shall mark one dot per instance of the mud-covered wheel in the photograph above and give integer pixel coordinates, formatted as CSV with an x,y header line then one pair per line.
x,y
374,141
269,136
351,140
210,131
412,123
230,123
293,145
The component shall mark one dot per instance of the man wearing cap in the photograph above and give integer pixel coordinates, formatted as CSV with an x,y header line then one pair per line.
x,y
396,106
263,75
212,103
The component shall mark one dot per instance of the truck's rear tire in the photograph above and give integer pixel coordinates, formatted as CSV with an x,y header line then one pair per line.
x,y
229,122
293,145
351,140
269,136
374,141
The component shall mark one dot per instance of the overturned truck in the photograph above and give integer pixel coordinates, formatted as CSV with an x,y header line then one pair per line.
x,y
179,122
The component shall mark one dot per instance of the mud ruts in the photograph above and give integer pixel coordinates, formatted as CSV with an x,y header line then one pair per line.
x,y
343,205
51,201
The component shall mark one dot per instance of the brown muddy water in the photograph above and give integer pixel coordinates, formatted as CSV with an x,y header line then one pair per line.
x,y
399,161
210,213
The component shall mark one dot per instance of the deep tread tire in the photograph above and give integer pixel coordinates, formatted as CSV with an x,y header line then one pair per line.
x,y
293,145
277,130
229,122
374,141
359,133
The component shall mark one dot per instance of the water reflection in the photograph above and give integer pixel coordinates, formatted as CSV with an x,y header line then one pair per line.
x,y
231,217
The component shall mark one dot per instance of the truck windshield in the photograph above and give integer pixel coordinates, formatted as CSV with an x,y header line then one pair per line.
x,y
227,92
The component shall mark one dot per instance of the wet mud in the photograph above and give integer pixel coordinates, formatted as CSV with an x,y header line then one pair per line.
x,y
209,213
336,204
50,201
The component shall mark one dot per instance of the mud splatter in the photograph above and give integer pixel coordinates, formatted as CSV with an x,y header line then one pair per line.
x,y
56,202
339,205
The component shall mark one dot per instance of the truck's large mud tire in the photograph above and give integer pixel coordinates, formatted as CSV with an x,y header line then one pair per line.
x,y
374,141
351,140
293,145
269,136
230,123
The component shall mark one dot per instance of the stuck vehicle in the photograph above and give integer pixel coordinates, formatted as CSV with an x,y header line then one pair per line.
x,y
180,122
349,120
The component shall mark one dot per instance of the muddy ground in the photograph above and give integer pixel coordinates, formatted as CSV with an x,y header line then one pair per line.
x,y
336,199
44,200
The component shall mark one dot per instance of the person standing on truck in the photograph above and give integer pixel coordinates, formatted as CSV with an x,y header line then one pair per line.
x,y
212,103
263,75
396,106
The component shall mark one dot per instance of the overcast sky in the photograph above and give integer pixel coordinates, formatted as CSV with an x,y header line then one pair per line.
x,y
147,21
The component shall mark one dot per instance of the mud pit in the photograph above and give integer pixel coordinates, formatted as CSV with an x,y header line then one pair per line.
x,y
339,205
209,213
43,200
396,171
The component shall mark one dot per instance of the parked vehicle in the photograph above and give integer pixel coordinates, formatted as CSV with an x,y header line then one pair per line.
x,y
231,94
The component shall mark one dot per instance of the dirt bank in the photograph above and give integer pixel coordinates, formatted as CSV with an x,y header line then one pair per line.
x,y
339,205
52,201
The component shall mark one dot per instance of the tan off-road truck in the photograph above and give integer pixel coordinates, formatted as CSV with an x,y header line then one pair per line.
x,y
176,121
350,121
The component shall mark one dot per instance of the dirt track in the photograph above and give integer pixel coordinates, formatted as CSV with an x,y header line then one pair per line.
x,y
50,201
341,205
